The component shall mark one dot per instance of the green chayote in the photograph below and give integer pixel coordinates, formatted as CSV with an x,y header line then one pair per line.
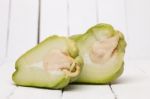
x,y
51,64
102,49
95,57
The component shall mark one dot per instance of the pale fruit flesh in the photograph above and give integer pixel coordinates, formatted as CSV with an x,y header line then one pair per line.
x,y
51,64
102,49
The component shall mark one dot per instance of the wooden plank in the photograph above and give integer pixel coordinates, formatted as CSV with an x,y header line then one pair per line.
x,y
35,93
138,17
53,18
113,12
88,92
143,65
4,13
23,27
134,84
6,86
82,15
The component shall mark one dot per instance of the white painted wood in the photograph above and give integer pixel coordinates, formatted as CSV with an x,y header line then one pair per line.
x,y
87,92
82,15
4,10
134,83
143,65
23,27
138,18
6,84
113,12
35,93
53,18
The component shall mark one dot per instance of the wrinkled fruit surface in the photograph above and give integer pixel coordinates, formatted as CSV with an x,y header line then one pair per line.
x,y
51,64
102,49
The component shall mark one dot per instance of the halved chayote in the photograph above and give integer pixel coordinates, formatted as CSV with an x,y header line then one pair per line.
x,y
56,61
51,64
102,49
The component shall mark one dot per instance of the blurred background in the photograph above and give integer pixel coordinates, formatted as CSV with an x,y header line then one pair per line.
x,y
24,23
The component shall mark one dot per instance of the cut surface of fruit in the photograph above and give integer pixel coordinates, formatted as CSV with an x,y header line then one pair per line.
x,y
51,64
102,49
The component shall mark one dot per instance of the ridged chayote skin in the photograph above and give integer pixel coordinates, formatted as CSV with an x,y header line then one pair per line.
x,y
102,49
51,64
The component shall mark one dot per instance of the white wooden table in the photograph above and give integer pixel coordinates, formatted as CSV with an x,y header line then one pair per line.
x,y
24,23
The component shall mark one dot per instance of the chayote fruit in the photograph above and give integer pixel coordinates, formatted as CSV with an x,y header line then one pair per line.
x,y
102,49
51,64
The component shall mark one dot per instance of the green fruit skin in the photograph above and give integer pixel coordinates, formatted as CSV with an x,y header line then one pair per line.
x,y
26,75
92,73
